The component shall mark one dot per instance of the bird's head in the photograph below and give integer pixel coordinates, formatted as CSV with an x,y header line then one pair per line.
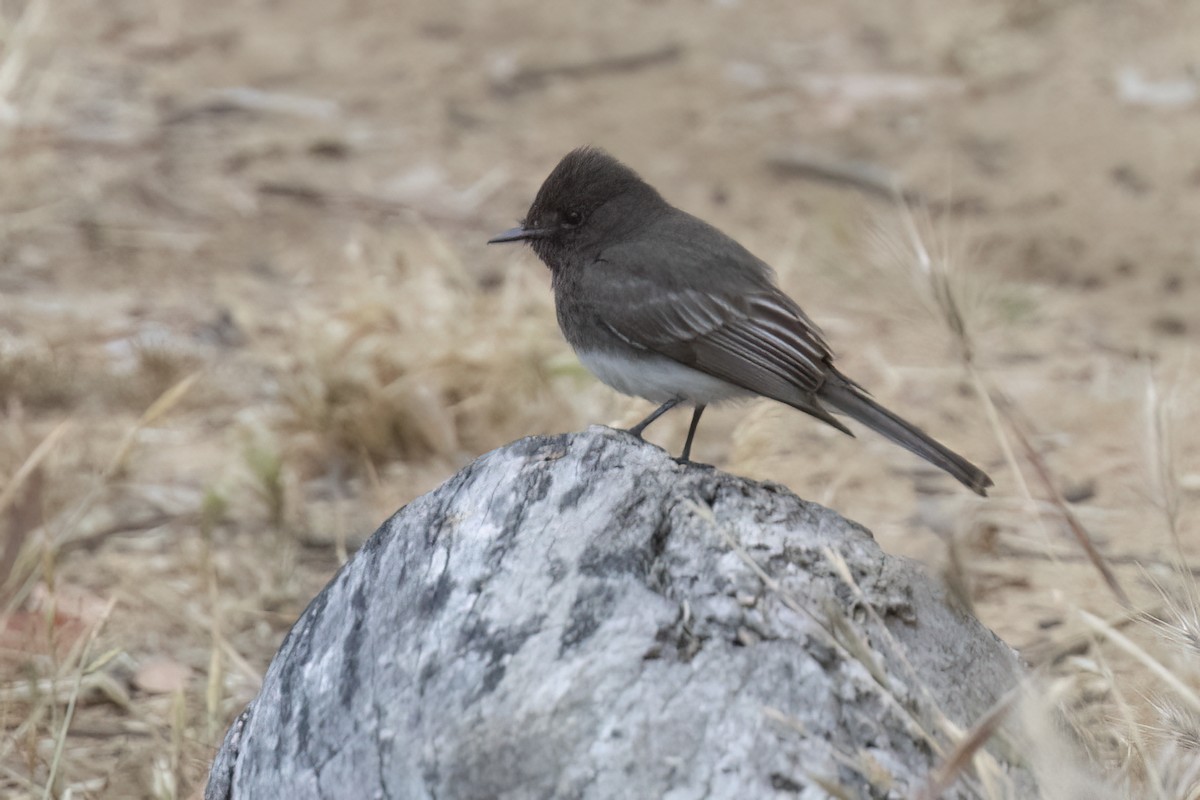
x,y
590,198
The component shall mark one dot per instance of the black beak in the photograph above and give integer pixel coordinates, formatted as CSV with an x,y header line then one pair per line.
x,y
518,234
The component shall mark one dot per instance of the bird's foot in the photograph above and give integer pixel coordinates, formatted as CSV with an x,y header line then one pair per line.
x,y
687,462
636,430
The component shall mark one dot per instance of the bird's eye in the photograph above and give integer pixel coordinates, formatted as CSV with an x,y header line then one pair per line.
x,y
572,217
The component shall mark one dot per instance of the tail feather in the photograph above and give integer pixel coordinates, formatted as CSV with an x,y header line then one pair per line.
x,y
855,403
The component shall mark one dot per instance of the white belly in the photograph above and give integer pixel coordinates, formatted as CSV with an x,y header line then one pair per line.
x,y
658,379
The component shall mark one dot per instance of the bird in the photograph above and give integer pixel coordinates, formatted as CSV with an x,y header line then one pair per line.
x,y
659,304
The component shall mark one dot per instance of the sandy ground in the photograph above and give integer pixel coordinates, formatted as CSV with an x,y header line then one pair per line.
x,y
283,205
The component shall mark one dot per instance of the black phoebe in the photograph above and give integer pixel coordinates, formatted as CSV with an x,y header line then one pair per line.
x,y
662,305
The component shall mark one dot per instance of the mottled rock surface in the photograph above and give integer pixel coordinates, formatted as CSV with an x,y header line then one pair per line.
x,y
570,617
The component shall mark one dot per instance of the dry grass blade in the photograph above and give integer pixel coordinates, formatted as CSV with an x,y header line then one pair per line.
x,y
61,739
1135,738
161,406
937,278
22,519
31,463
944,723
1179,621
1019,428
853,641
1161,458
986,765
1186,693
166,401
214,509
16,568
244,668
969,746
843,571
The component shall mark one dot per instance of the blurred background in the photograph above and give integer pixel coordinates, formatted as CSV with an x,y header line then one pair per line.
x,y
247,311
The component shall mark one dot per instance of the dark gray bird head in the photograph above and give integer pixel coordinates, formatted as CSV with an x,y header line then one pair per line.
x,y
588,200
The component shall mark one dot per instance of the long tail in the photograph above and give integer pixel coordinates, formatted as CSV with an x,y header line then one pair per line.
x,y
849,399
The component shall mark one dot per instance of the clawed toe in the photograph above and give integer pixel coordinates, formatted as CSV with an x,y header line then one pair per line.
x,y
687,462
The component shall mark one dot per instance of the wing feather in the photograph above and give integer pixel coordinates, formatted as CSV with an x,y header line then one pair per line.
x,y
756,342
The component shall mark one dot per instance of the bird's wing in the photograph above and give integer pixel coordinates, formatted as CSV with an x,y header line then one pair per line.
x,y
760,341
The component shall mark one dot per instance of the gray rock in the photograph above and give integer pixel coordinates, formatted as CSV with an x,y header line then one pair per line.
x,y
570,617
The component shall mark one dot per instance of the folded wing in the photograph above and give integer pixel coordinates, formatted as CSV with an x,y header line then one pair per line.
x,y
761,341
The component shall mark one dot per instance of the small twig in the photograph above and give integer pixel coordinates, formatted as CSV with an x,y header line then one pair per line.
x,y
257,101
864,175
93,540
58,690
356,202
529,78
307,195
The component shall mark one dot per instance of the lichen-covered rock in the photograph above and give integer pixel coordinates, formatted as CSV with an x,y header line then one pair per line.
x,y
578,616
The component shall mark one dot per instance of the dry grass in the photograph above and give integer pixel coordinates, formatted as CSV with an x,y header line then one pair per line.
x,y
1133,763
238,329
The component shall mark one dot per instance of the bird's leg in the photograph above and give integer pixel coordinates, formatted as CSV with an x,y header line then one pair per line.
x,y
687,446
636,430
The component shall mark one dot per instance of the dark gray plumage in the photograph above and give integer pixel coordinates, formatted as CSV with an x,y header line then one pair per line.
x,y
661,305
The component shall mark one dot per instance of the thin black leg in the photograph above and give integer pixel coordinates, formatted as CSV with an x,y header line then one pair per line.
x,y
687,446
636,430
